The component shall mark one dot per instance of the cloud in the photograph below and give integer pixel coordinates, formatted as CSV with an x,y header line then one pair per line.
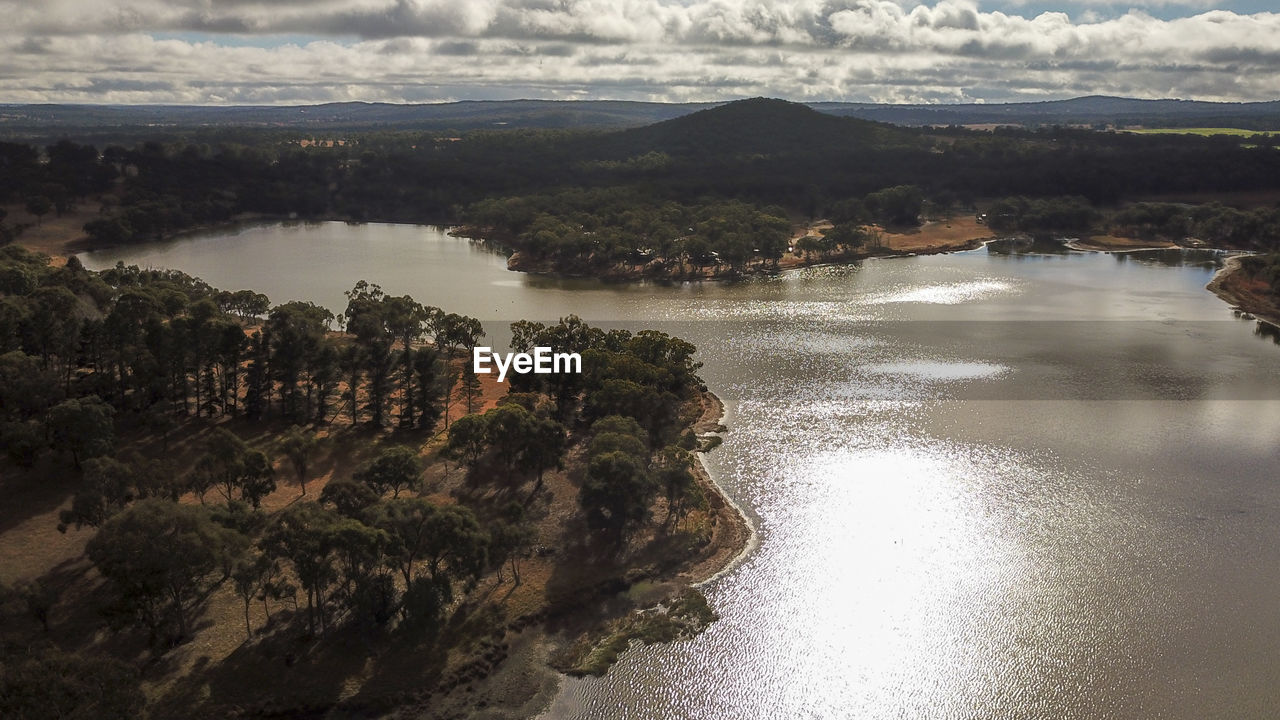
x,y
127,51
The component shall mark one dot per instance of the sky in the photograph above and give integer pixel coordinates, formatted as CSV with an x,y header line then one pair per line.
x,y
237,52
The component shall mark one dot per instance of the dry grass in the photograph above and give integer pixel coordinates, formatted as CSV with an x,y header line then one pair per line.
x,y
957,233
55,236
1204,132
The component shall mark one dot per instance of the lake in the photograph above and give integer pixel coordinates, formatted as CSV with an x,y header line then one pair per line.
x,y
999,483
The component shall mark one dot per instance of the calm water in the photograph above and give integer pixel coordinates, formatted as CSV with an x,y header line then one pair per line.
x,y
990,484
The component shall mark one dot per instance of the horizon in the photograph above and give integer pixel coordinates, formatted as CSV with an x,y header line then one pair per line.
x,y
255,53
727,101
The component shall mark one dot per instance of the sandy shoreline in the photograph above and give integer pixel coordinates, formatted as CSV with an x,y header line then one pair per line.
x,y
734,536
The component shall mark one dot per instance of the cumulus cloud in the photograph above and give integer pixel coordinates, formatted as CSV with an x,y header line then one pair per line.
x,y
125,51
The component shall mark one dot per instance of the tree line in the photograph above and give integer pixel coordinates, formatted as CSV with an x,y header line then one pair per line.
x,y
1211,223
767,156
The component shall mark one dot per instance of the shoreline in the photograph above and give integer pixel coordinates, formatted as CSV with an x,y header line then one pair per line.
x,y
744,536
928,239
932,237
526,682
730,551
713,417
1231,285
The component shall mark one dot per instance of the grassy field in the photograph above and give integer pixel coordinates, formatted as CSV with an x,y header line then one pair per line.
x,y
1203,131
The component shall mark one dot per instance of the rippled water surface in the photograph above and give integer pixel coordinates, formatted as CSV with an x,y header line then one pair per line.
x,y
990,484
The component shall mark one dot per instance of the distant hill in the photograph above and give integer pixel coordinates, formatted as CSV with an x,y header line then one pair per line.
x,y
121,122
759,126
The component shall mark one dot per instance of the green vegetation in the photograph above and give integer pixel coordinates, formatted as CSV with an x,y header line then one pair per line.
x,y
585,230
1214,224
714,189
100,369
685,616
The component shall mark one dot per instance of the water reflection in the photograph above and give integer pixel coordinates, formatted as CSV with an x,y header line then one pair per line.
x,y
1177,257
1036,245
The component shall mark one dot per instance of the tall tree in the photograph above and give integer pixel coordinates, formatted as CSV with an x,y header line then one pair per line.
x,y
160,556
299,446
82,427
395,469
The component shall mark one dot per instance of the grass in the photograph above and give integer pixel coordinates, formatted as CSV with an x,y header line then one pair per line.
x,y
1238,132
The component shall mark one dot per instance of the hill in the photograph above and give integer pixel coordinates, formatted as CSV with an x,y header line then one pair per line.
x,y
755,127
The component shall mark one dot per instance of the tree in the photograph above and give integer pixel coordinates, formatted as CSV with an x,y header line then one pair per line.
x,y
82,427
470,387
299,446
159,557
454,545
617,492
408,522
508,429
258,480
606,442
108,231
468,439
423,605
107,488
39,205
396,468
511,537
229,466
426,373
361,553
303,535
898,205
674,475
252,575
348,498
405,319
296,332
366,319
545,447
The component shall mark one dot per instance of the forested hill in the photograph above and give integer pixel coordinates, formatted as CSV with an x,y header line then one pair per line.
x,y
759,126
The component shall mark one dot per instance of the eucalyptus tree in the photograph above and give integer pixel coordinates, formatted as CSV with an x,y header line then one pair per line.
x,y
82,427
303,535
160,557
395,469
299,446
229,466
